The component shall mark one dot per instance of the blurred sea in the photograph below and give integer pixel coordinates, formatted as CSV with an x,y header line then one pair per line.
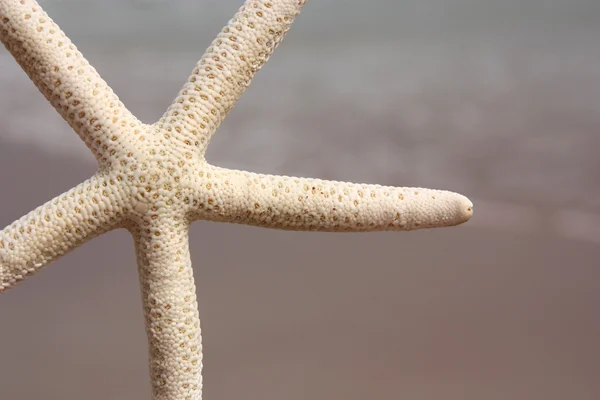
x,y
500,101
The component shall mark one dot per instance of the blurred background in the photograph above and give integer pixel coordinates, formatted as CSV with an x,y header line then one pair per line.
x,y
499,101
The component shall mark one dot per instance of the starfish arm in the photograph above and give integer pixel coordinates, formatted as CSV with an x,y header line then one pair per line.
x,y
290,203
65,77
55,228
170,306
226,69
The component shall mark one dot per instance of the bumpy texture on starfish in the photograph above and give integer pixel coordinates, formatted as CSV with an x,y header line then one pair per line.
x,y
153,179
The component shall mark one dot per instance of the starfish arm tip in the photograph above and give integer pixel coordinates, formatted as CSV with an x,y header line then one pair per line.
x,y
306,204
465,208
453,209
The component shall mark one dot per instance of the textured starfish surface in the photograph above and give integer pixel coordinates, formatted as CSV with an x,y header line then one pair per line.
x,y
154,180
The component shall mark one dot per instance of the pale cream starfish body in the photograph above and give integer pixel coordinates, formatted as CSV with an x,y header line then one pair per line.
x,y
153,179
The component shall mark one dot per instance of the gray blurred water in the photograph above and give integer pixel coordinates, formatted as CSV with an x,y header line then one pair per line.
x,y
500,101
497,100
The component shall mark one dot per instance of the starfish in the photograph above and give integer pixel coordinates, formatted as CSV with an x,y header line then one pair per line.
x,y
154,180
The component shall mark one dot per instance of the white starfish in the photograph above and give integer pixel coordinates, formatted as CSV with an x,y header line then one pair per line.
x,y
153,179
